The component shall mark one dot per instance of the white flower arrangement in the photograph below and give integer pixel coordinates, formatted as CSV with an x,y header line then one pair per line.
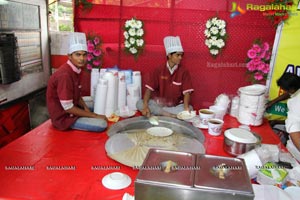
x,y
215,34
133,34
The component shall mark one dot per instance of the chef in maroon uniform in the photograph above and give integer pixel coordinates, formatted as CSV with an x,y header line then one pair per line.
x,y
168,87
66,107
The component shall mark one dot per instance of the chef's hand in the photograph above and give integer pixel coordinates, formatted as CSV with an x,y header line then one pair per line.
x,y
101,117
146,111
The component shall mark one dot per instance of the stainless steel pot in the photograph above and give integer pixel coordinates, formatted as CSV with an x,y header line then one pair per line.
x,y
237,148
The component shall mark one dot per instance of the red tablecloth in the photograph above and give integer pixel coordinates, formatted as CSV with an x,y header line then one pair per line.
x,y
49,164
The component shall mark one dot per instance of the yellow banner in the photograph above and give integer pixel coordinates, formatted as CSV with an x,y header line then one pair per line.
x,y
287,60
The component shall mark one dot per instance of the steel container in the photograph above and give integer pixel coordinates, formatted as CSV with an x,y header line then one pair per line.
x,y
191,176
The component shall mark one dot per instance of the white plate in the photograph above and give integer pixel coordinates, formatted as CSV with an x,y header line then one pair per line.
x,y
159,131
116,181
127,114
186,115
200,125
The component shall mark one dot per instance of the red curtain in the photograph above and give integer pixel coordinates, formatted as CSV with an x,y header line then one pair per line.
x,y
187,19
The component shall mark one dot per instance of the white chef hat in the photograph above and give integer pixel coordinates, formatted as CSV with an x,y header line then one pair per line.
x,y
77,42
172,44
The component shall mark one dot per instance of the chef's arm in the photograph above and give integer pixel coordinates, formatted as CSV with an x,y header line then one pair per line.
x,y
295,137
282,97
186,101
83,105
147,96
83,113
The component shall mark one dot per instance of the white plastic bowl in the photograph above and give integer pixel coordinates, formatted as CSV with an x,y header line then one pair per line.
x,y
116,181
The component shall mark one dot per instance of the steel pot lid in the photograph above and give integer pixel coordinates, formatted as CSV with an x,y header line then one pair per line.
x,y
240,135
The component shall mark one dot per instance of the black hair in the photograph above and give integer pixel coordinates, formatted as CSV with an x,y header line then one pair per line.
x,y
289,81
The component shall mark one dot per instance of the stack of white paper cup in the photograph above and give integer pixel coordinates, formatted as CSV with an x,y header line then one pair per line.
x,y
100,97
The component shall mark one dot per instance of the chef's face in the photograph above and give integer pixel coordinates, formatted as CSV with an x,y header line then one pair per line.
x,y
78,58
175,58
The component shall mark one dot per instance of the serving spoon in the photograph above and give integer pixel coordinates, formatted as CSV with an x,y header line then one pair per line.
x,y
153,120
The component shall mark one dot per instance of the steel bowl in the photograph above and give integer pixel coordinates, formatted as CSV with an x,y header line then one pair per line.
x,y
237,148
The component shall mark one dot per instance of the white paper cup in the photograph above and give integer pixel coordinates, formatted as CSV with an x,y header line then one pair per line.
x,y
215,126
205,115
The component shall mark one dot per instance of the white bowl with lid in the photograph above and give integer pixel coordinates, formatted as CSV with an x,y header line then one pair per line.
x,y
238,141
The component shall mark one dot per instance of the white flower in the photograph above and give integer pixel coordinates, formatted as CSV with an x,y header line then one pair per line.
x,y
223,32
133,35
133,50
131,40
139,42
208,24
214,21
126,35
215,34
132,32
206,33
139,24
127,44
214,51
140,32
214,30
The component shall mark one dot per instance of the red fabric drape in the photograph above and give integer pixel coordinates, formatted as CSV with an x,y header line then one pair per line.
x,y
185,18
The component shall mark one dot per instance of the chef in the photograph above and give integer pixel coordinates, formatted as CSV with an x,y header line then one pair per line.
x,y
66,107
168,87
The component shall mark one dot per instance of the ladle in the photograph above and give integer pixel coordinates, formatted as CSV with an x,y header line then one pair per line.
x,y
153,120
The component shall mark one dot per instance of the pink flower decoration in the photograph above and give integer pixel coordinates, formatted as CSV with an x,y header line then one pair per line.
x,y
266,69
258,61
90,43
261,66
89,66
96,62
256,48
268,56
90,57
266,46
251,53
97,52
96,40
251,66
263,54
90,48
258,76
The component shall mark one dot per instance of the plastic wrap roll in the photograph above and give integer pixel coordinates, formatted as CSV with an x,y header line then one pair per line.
x,y
234,109
137,80
121,91
102,72
112,94
252,101
94,80
252,104
100,97
128,76
132,96
251,116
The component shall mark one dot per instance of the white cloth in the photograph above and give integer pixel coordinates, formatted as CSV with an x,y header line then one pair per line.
x,y
293,115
